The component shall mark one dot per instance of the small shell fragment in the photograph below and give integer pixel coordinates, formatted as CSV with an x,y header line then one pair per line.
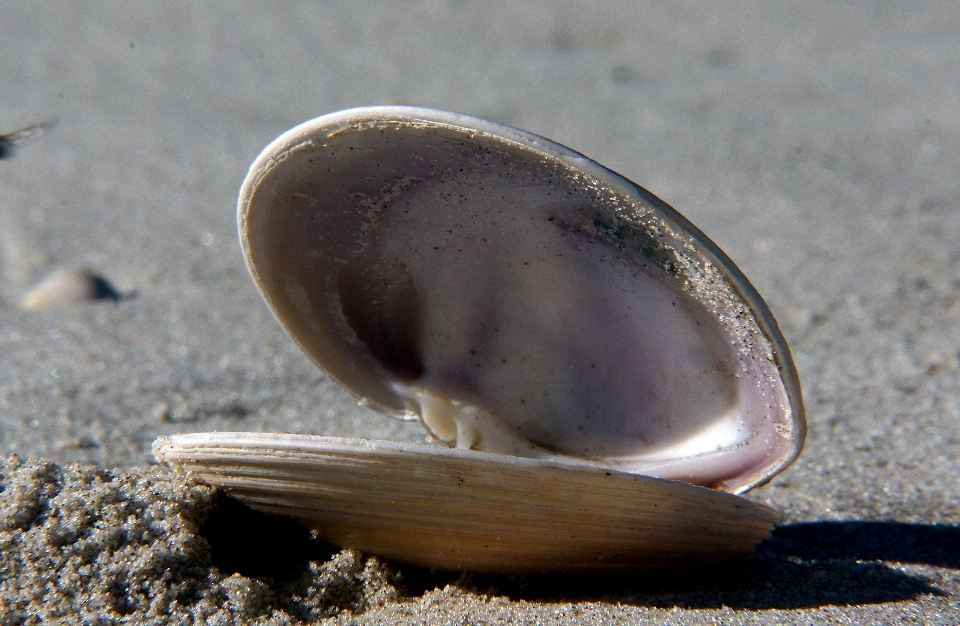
x,y
9,142
69,286
464,510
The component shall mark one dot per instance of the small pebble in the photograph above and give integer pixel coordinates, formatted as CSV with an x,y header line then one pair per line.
x,y
69,286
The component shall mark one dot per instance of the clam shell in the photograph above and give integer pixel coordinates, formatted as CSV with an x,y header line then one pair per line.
x,y
464,510
450,269
430,261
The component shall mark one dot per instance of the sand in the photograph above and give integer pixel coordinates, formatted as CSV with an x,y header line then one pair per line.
x,y
818,145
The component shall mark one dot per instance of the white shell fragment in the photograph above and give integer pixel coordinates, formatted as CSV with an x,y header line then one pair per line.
x,y
465,510
68,286
584,351
10,142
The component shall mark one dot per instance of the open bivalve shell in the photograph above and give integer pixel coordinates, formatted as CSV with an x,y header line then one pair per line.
x,y
601,372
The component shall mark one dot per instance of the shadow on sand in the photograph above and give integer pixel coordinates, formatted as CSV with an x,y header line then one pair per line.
x,y
801,566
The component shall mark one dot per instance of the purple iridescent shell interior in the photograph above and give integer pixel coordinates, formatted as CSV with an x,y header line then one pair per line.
x,y
517,298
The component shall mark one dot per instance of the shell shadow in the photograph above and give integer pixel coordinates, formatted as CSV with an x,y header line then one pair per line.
x,y
103,289
925,544
804,565
7,149
257,545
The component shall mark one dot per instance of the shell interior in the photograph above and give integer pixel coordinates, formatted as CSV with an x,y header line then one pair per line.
x,y
517,298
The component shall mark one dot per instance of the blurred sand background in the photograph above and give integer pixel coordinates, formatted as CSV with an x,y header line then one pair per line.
x,y
817,143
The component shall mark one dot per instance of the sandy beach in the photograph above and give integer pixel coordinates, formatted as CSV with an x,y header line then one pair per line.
x,y
817,144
